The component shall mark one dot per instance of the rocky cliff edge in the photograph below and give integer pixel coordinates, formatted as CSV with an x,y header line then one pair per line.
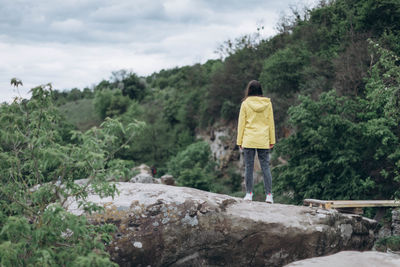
x,y
161,225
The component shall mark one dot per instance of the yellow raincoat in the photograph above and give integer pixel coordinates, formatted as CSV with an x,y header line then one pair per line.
x,y
256,128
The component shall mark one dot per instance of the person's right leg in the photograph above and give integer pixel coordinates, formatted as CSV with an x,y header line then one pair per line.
x,y
263,156
249,166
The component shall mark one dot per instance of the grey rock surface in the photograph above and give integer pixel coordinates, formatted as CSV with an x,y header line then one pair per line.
x,y
167,179
144,175
160,225
384,231
396,221
351,258
145,179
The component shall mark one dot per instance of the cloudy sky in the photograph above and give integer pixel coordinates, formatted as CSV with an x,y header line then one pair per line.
x,y
77,43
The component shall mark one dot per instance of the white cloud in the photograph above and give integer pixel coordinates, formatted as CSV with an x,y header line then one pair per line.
x,y
68,65
126,11
77,43
186,10
68,25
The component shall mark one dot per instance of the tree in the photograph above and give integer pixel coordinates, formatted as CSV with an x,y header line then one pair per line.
x,y
193,166
103,85
383,86
38,166
87,93
133,87
282,71
342,149
229,83
74,95
379,16
110,103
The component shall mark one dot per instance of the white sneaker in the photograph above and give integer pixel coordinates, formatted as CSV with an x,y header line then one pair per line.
x,y
248,196
269,199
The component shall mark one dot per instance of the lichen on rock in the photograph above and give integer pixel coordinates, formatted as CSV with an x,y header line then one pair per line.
x,y
166,225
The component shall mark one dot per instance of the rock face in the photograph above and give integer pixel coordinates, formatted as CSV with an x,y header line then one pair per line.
x,y
167,179
396,222
144,175
145,179
222,141
351,258
160,225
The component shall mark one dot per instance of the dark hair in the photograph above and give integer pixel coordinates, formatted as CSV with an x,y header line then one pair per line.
x,y
253,89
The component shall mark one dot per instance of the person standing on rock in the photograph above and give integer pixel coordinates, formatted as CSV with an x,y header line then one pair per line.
x,y
256,132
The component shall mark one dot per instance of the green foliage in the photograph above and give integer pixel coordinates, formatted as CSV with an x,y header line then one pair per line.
x,y
342,149
81,114
228,182
391,242
87,93
379,16
231,47
321,155
172,113
109,103
157,140
193,166
391,41
226,90
38,166
59,239
74,95
228,110
134,87
282,71
383,91
103,85
16,82
344,143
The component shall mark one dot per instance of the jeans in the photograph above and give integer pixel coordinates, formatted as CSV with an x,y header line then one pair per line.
x,y
263,157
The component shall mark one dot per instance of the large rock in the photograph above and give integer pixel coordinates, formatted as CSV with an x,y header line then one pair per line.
x,y
351,258
222,141
145,179
144,175
396,221
167,179
162,225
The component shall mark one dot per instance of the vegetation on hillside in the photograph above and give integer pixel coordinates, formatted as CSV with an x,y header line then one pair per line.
x,y
332,60
40,158
333,74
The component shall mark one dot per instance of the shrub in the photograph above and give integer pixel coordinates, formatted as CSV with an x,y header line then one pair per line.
x,y
109,103
193,166
38,166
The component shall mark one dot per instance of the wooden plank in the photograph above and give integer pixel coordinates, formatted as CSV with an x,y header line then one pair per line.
x,y
364,203
351,203
323,204
317,201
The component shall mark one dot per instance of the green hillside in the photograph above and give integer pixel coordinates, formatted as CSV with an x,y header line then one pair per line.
x,y
332,72
81,113
337,57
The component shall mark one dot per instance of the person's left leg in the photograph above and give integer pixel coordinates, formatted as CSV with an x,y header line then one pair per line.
x,y
249,154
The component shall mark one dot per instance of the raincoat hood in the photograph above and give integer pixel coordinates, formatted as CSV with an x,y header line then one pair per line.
x,y
257,103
